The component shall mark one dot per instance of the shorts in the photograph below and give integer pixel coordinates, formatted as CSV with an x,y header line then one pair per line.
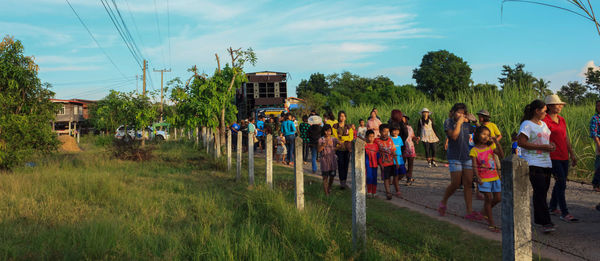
x,y
457,165
401,170
330,173
388,172
491,186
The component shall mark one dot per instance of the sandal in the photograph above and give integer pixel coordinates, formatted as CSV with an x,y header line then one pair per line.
x,y
494,229
474,216
389,196
442,209
398,194
410,181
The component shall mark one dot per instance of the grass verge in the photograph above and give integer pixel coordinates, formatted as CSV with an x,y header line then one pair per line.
x,y
183,205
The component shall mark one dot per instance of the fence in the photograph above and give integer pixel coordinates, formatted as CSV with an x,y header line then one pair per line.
x,y
516,220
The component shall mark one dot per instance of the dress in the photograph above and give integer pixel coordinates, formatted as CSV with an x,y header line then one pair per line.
x,y
281,149
427,133
409,147
328,157
373,124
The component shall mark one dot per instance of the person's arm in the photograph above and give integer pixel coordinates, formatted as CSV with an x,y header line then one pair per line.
x,y
321,146
498,149
523,142
418,133
453,133
476,170
446,143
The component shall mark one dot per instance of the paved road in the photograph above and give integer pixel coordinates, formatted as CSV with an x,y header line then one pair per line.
x,y
570,241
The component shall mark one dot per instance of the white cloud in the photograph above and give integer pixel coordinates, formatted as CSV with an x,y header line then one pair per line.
x,y
588,65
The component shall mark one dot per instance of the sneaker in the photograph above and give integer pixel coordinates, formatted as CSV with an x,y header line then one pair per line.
x,y
555,212
429,165
569,218
548,228
434,164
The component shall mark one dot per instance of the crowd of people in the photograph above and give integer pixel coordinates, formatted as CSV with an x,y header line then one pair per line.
x,y
472,145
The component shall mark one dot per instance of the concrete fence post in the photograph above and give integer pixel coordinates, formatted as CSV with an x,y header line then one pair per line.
x,y
359,206
251,159
299,173
516,215
197,132
208,139
269,161
204,136
239,150
228,150
217,140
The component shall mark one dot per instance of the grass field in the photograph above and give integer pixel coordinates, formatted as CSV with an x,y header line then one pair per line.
x,y
506,109
182,205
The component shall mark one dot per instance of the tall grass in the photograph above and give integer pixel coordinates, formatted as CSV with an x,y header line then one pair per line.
x,y
506,108
180,206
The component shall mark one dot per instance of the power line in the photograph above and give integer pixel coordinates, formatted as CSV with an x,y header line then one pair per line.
x,y
137,30
158,30
127,32
169,32
115,23
94,38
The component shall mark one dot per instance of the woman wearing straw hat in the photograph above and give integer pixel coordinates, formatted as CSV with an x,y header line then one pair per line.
x,y
427,135
560,157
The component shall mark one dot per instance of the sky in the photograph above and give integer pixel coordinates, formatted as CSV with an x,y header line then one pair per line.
x,y
368,38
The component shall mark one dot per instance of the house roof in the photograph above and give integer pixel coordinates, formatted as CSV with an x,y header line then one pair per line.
x,y
84,101
66,101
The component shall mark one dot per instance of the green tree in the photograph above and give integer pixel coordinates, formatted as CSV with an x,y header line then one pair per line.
x,y
317,83
442,72
25,107
516,76
573,92
592,79
120,108
485,87
542,87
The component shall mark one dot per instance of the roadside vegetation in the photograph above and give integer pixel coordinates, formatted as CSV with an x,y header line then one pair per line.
x,y
184,205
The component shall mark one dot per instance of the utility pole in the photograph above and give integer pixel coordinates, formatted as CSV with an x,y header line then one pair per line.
x,y
161,90
144,84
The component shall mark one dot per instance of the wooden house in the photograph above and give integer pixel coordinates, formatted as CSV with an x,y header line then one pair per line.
x,y
69,116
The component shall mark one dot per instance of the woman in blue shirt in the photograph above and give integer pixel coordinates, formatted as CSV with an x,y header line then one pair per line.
x,y
288,128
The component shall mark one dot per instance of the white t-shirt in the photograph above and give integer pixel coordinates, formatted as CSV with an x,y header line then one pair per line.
x,y
536,134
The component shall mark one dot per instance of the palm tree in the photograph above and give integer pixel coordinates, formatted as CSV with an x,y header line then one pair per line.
x,y
542,87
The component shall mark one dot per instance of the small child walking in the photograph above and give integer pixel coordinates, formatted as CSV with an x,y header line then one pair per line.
x,y
281,149
486,171
409,151
327,146
387,157
400,167
371,150
362,129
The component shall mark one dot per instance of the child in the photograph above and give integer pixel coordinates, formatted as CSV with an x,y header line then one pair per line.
x,y
515,146
327,146
281,149
362,129
353,127
371,150
400,168
387,159
486,170
409,151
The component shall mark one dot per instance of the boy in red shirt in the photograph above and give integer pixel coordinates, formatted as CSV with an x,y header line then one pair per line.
x,y
371,150
387,157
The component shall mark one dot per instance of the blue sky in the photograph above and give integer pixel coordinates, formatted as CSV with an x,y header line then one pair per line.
x,y
368,38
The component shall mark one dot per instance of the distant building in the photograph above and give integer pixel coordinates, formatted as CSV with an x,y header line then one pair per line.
x,y
71,116
263,90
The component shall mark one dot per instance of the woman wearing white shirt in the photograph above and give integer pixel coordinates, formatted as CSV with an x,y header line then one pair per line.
x,y
534,139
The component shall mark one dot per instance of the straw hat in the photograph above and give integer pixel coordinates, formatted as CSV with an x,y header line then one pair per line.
x,y
553,99
425,110
483,113
312,120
